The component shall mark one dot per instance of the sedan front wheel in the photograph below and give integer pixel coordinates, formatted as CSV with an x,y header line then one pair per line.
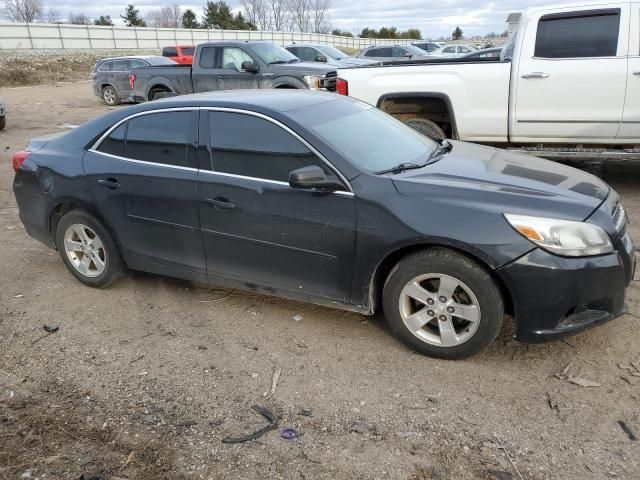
x,y
443,304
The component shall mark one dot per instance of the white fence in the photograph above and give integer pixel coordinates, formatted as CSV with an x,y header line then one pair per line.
x,y
43,35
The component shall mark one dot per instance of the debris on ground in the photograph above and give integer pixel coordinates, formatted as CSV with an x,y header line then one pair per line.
x,y
513,464
266,413
583,382
563,374
274,382
289,433
297,318
250,347
500,475
627,429
18,296
50,328
305,412
186,423
360,427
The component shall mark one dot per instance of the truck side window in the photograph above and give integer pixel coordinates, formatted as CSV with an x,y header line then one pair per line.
x,y
592,33
208,57
254,147
232,58
169,52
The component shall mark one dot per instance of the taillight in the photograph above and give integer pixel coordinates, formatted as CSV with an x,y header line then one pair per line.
x,y
342,86
18,159
132,80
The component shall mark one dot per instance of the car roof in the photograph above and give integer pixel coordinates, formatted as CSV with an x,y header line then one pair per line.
x,y
129,57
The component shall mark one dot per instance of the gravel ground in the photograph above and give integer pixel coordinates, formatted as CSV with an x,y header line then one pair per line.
x,y
143,380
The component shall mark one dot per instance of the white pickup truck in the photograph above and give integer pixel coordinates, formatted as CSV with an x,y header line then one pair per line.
x,y
566,86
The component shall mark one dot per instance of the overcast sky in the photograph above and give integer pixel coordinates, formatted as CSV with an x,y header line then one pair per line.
x,y
434,19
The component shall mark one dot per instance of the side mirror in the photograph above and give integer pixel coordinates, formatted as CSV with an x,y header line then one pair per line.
x,y
313,177
407,55
248,67
321,58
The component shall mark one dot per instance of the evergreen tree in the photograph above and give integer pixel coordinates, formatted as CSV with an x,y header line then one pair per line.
x,y
132,18
104,20
457,34
189,19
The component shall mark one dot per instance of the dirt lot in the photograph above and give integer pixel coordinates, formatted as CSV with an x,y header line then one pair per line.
x,y
144,379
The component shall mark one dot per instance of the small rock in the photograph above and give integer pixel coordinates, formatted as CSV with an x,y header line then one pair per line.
x,y
187,423
50,328
150,419
360,427
501,475
305,412
201,347
84,461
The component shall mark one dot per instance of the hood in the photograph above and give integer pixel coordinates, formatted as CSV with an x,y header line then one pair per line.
x,y
500,181
304,68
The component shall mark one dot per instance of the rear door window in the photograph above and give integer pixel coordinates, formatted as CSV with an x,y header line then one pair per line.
x,y
580,34
254,147
398,52
121,65
167,137
208,57
449,50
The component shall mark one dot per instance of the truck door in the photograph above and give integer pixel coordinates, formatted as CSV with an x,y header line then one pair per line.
x,y
570,75
203,74
630,128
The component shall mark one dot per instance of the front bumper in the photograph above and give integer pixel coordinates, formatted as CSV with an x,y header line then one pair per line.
x,y
555,297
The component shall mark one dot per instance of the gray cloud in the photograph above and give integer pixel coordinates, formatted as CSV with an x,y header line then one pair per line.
x,y
434,19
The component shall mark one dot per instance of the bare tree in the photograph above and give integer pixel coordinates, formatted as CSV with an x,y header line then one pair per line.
x,y
320,15
280,15
53,16
300,11
257,13
165,17
25,11
79,19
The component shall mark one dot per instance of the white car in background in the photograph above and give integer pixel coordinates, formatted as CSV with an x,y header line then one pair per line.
x,y
452,51
3,118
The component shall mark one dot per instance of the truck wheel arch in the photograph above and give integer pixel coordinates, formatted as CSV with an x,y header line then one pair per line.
x,y
288,82
157,88
434,106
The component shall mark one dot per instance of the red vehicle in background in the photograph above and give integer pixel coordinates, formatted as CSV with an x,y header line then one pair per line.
x,y
182,54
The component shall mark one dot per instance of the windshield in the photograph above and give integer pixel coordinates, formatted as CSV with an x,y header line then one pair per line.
x,y
414,50
270,53
365,136
332,52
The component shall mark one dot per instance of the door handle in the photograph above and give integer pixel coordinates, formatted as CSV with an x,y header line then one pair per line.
x,y
535,75
220,203
636,72
222,77
110,183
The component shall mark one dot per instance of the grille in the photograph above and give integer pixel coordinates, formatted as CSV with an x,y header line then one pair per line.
x,y
329,81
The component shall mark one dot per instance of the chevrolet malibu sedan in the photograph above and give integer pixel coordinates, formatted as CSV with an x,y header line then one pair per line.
x,y
325,199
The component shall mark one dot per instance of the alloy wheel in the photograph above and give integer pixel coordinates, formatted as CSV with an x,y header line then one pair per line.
x,y
439,309
85,250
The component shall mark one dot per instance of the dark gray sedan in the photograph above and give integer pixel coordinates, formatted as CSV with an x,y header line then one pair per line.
x,y
326,199
111,76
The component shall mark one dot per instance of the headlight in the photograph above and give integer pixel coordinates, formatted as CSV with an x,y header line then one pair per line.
x,y
562,237
312,81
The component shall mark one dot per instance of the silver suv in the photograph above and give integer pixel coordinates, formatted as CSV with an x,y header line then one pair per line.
x,y
386,53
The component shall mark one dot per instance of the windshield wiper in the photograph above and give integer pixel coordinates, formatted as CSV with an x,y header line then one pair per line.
x,y
401,167
275,62
444,147
293,60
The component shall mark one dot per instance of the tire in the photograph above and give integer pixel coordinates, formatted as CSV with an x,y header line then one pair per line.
x,y
161,94
3,122
426,127
106,265
110,96
468,290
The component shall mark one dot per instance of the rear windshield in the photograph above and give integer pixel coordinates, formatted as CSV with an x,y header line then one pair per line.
x,y
160,61
364,135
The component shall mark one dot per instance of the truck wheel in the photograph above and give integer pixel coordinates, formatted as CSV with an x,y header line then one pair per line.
x,y
110,96
426,127
161,94
442,304
3,122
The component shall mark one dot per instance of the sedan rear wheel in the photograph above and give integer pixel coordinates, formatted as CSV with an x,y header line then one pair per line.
x,y
110,96
443,304
88,250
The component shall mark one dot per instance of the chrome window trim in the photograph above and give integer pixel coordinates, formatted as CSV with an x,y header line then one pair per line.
x,y
96,145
